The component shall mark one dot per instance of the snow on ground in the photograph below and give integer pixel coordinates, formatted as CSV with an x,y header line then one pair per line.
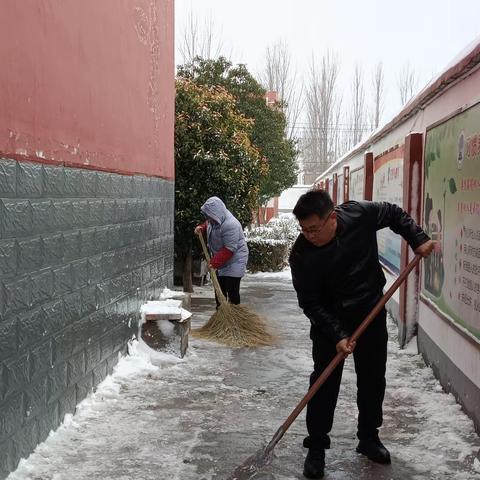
x,y
431,426
285,275
161,417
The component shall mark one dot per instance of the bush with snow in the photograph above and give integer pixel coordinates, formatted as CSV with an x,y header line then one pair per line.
x,y
270,244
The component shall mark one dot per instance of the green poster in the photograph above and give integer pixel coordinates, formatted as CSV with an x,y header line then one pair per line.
x,y
451,275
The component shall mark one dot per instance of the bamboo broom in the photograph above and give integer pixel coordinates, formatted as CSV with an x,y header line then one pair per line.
x,y
232,325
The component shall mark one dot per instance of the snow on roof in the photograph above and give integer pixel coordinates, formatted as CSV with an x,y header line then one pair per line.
x,y
461,64
289,197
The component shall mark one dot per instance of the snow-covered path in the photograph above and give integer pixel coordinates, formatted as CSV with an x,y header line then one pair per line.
x,y
198,418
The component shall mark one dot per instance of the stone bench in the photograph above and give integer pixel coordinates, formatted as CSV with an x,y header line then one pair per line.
x,y
167,332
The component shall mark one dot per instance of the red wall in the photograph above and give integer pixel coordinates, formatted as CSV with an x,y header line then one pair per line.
x,y
88,83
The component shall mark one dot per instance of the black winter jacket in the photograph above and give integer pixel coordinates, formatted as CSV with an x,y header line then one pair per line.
x,y
345,274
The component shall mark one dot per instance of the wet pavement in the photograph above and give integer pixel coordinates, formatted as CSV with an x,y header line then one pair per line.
x,y
201,417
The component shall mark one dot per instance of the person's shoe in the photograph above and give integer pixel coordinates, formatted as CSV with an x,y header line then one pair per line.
x,y
314,463
374,450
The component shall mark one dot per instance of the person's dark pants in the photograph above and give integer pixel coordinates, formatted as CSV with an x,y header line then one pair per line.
x,y
231,289
370,357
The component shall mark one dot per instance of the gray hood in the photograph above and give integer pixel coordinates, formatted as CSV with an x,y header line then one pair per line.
x,y
215,209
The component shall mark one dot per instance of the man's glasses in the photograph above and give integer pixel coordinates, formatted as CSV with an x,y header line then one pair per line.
x,y
315,230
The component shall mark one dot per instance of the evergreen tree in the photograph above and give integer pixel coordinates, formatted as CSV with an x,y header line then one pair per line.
x,y
213,156
268,131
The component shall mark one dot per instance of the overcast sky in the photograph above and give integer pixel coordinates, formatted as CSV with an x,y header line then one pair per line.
x,y
425,33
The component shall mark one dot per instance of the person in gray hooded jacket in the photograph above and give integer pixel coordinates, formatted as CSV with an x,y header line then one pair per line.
x,y
227,244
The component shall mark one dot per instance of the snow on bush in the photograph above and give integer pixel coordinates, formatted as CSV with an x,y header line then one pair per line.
x,y
283,228
270,244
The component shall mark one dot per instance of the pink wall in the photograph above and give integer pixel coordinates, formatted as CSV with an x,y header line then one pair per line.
x,y
88,83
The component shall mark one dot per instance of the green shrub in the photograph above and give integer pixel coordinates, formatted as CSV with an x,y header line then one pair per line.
x,y
267,255
270,244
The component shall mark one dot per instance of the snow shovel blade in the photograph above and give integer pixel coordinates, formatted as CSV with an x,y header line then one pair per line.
x,y
253,464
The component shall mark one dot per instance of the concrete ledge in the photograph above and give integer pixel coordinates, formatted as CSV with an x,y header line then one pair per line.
x,y
451,377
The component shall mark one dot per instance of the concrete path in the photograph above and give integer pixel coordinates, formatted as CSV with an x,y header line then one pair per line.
x,y
201,417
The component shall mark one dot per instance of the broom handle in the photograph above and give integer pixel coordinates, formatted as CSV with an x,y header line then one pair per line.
x,y
213,275
339,357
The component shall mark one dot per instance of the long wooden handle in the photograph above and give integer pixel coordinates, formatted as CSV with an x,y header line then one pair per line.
x,y
213,275
340,356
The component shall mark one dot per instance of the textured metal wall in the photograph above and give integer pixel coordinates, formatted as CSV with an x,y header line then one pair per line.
x,y
79,251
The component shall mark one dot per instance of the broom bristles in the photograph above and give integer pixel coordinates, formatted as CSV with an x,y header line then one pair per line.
x,y
236,326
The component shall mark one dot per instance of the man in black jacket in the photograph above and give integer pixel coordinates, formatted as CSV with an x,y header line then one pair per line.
x,y
338,280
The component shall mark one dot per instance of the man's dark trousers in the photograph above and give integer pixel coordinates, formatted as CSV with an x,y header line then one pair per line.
x,y
370,356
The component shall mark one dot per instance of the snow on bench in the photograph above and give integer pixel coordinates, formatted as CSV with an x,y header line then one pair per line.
x,y
165,323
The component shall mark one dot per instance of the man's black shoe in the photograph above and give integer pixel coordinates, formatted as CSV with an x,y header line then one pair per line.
x,y
314,463
374,449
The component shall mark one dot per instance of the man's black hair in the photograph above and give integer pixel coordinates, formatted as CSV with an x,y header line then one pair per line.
x,y
313,202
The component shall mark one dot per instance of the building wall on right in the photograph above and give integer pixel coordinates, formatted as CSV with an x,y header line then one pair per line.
x,y
446,304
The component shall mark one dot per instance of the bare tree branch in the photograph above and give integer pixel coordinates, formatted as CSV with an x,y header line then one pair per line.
x,y
407,83
378,93
321,141
200,40
279,76
358,106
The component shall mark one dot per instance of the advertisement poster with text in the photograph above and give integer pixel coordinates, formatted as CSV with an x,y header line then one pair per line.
x,y
340,189
357,184
388,187
451,275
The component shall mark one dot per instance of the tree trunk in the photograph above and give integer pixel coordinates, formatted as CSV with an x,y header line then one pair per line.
x,y
258,218
187,272
264,213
